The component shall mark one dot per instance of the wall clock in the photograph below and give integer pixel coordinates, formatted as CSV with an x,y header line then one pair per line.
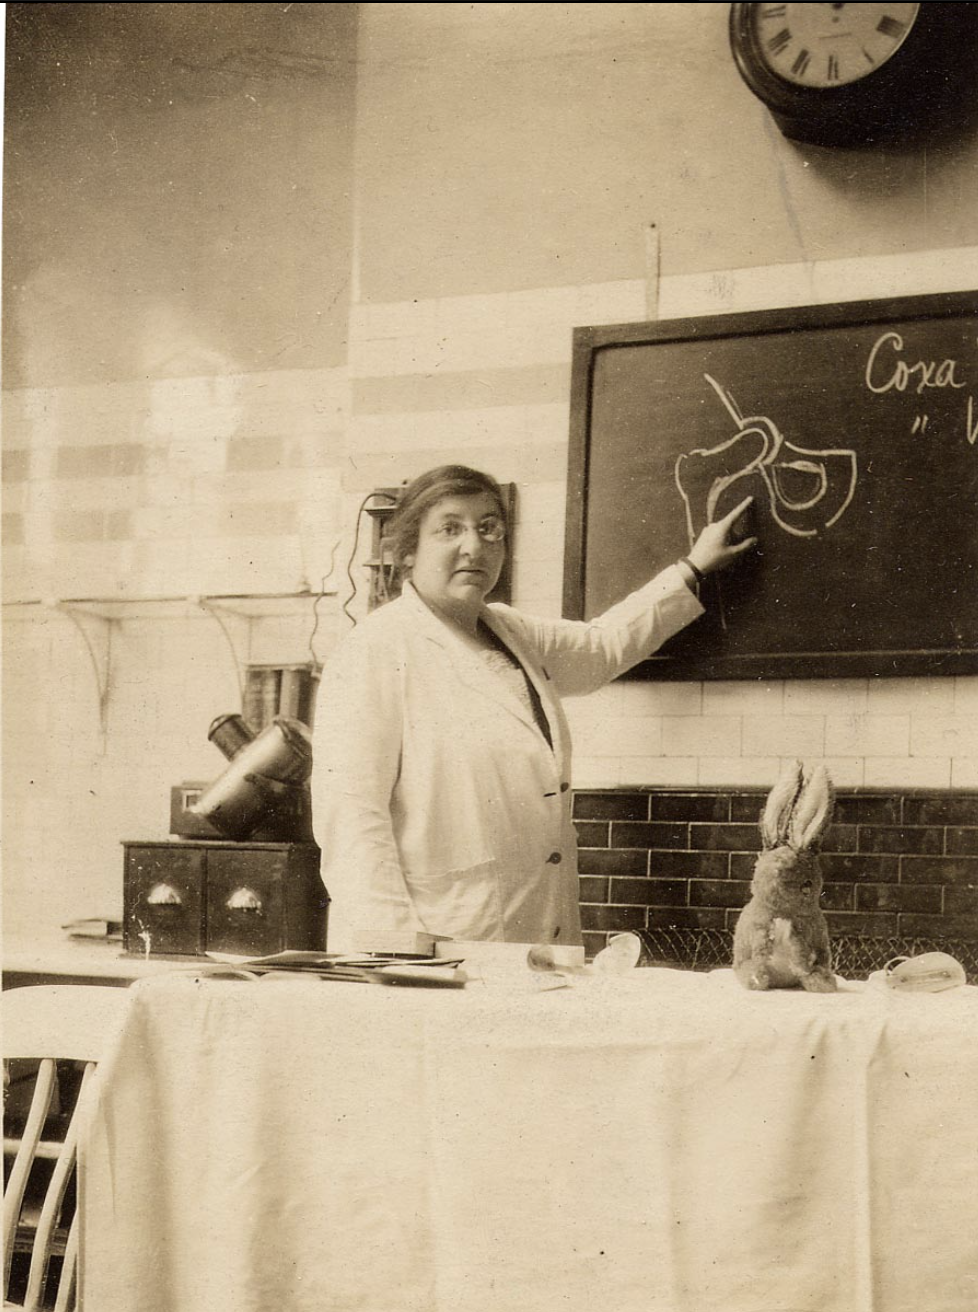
x,y
849,74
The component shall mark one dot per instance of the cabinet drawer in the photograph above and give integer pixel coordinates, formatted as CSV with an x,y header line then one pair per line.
x,y
164,899
245,901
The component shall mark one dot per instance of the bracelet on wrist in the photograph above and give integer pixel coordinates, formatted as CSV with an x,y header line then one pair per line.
x,y
698,574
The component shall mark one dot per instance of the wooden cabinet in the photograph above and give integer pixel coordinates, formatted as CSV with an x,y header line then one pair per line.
x,y
163,897
249,899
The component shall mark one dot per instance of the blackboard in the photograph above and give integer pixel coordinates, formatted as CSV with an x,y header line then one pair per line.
x,y
855,429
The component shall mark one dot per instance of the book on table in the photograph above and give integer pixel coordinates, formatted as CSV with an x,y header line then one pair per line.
x,y
382,968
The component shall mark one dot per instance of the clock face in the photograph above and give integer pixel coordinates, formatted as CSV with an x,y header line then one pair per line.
x,y
821,46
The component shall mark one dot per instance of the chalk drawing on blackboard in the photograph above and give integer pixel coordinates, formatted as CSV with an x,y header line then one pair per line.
x,y
878,578
807,492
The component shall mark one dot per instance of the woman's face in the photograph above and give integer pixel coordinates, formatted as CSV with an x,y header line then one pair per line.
x,y
460,553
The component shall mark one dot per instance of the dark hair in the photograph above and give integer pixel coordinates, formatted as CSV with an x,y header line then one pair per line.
x,y
426,491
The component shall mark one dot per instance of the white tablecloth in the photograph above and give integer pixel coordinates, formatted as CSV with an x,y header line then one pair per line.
x,y
659,1142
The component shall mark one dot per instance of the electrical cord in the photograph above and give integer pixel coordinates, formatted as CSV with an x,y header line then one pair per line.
x,y
315,605
356,542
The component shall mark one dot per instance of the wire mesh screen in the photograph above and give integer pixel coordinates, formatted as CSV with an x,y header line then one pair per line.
x,y
856,958
690,949
853,956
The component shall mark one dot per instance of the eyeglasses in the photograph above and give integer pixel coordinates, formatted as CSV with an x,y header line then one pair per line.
x,y
490,529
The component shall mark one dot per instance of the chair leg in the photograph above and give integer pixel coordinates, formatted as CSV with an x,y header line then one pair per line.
x,y
53,1199
13,1194
65,1301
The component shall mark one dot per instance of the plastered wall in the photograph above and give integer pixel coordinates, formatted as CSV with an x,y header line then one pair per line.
x,y
261,259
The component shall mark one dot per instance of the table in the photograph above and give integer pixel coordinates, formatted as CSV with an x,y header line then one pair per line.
x,y
657,1142
57,959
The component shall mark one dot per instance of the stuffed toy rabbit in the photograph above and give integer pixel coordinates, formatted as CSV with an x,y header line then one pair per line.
x,y
781,940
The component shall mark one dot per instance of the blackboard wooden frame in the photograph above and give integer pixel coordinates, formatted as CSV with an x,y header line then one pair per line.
x,y
872,657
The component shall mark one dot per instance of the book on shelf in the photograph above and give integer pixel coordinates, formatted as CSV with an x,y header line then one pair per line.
x,y
274,690
290,696
297,699
251,700
271,681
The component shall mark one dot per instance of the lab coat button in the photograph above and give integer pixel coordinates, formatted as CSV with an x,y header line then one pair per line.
x,y
564,786
555,858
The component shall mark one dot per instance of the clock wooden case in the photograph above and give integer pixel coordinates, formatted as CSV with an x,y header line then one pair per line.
x,y
853,74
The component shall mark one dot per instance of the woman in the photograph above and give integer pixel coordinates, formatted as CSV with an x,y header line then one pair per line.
x,y
441,777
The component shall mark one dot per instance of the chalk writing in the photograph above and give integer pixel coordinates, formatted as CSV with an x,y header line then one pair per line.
x,y
919,375
887,371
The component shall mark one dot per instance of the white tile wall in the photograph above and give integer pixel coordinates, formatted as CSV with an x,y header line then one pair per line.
x,y
657,771
73,793
74,787
717,733
944,736
906,772
964,773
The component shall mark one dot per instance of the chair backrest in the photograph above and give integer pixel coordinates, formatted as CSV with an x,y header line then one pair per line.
x,y
47,1024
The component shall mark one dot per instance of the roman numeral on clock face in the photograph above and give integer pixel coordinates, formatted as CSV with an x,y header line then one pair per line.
x,y
802,60
891,27
807,49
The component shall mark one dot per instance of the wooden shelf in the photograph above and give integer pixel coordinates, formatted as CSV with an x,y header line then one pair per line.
x,y
257,605
94,617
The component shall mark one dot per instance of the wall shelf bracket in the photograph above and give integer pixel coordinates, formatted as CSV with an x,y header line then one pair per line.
x,y
96,633
236,629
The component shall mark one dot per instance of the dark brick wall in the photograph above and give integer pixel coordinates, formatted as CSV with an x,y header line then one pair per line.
x,y
900,868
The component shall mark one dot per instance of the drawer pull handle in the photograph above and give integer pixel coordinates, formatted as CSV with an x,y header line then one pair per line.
x,y
243,899
164,895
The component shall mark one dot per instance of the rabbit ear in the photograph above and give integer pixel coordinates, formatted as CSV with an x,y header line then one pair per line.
x,y
776,816
813,810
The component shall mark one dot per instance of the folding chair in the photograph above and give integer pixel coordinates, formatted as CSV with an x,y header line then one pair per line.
x,y
53,1037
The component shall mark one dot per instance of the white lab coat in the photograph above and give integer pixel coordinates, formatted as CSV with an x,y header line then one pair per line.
x,y
438,804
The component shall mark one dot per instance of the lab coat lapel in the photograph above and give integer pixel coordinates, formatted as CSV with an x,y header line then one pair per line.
x,y
537,675
474,672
